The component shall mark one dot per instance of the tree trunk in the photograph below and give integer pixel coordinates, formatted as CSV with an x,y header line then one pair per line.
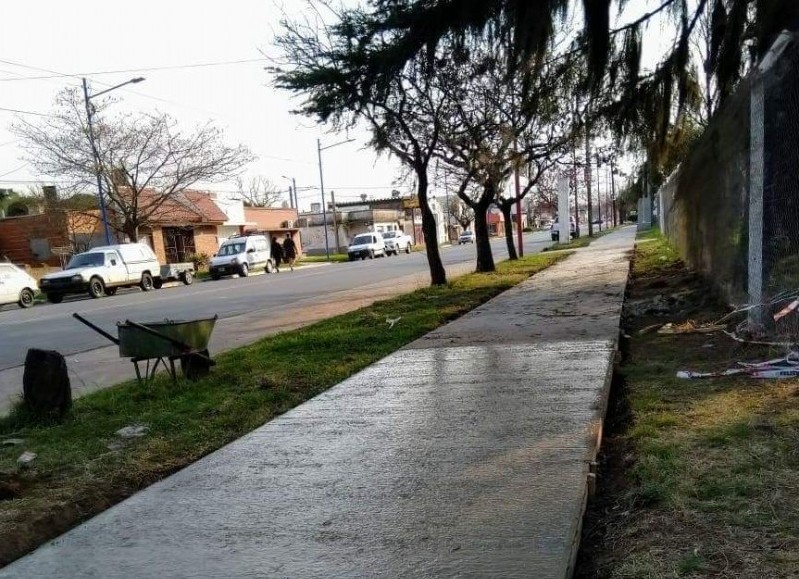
x,y
132,231
505,208
485,259
438,275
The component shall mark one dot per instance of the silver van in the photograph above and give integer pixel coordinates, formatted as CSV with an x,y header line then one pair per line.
x,y
241,255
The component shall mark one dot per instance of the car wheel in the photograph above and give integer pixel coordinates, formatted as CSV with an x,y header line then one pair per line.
x,y
26,298
146,283
187,278
55,298
96,288
215,276
244,270
109,291
408,248
270,267
158,283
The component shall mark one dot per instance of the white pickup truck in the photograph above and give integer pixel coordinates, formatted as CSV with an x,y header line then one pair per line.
x,y
101,270
397,241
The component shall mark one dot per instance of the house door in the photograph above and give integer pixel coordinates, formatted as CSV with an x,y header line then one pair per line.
x,y
178,244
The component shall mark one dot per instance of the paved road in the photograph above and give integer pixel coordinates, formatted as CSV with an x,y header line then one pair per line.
x,y
51,326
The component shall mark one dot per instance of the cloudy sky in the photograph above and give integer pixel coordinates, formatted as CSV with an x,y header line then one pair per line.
x,y
66,40
94,36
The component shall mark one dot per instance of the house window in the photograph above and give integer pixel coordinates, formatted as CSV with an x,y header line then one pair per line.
x,y
178,244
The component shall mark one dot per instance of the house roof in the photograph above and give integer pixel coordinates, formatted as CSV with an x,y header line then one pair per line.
x,y
187,206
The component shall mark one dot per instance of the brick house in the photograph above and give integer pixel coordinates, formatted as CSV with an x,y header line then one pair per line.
x,y
184,225
274,222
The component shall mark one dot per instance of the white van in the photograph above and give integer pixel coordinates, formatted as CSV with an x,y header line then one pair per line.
x,y
16,286
366,245
102,270
240,255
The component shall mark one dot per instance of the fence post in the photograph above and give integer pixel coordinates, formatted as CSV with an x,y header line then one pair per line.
x,y
756,140
756,160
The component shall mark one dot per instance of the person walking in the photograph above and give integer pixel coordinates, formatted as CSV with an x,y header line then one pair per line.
x,y
289,251
277,253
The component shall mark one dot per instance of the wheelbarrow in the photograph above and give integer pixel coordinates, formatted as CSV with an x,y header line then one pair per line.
x,y
162,343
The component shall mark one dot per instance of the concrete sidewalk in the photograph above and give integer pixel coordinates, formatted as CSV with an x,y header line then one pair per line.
x,y
465,454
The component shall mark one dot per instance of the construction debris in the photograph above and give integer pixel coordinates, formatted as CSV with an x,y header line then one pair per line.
x,y
778,368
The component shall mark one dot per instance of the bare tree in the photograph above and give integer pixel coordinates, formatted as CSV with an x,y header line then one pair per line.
x,y
404,115
460,212
145,159
259,191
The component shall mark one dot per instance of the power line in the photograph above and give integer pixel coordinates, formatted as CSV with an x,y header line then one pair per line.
x,y
127,70
14,170
24,113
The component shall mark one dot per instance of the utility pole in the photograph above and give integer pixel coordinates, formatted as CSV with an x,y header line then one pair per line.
x,y
598,192
519,239
89,120
319,149
588,177
613,187
322,187
446,197
335,224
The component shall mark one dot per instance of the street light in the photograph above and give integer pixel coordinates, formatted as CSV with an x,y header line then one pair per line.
x,y
293,201
89,114
319,149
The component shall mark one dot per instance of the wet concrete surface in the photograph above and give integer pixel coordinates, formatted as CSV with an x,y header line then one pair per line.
x,y
463,455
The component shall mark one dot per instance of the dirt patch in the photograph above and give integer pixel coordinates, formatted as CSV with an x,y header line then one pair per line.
x,y
697,478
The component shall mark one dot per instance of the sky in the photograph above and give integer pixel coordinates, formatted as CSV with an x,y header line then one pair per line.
x,y
89,37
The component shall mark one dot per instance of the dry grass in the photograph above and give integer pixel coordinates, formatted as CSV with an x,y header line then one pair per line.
x,y
699,478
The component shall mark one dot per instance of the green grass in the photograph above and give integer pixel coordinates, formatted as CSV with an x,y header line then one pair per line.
x,y
334,257
708,482
582,241
76,474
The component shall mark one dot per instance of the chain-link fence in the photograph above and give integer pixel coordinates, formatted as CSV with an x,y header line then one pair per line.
x,y
732,208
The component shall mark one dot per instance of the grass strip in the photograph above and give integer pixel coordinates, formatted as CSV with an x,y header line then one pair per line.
x,y
699,477
337,257
582,241
81,468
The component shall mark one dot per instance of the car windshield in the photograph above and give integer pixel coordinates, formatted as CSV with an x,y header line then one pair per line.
x,y
86,260
389,235
231,249
362,239
466,234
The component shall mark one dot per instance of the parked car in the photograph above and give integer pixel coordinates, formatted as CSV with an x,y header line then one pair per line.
x,y
397,241
240,255
555,230
16,286
466,237
366,245
102,270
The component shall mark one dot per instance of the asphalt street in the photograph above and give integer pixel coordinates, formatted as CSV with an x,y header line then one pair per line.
x,y
51,326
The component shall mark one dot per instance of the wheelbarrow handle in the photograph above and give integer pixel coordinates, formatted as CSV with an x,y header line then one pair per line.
x,y
100,331
170,339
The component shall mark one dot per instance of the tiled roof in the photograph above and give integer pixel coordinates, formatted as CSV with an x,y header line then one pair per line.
x,y
187,206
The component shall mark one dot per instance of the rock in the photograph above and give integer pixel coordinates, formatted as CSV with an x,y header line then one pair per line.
x,y
12,442
133,431
45,382
115,445
26,459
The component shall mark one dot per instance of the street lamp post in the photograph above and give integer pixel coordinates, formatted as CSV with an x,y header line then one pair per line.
x,y
293,201
89,115
319,149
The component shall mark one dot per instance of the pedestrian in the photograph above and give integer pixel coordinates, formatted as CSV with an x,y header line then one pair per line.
x,y
277,253
289,251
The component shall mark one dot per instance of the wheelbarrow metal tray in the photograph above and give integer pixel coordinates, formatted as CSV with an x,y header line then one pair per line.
x,y
136,343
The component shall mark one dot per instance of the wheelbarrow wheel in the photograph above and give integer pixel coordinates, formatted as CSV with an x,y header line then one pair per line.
x,y
194,366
